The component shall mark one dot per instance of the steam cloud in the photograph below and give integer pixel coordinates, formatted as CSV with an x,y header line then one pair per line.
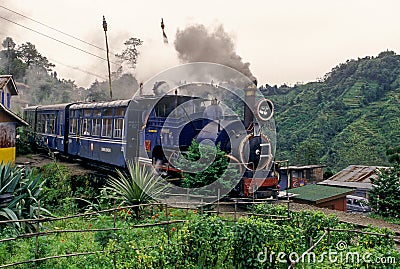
x,y
196,44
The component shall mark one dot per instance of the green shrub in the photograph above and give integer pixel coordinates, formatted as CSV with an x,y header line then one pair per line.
x,y
22,143
57,189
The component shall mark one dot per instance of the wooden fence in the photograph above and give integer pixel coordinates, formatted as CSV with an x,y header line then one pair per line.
x,y
235,214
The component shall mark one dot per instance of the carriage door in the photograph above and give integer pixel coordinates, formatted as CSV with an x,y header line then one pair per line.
x,y
133,121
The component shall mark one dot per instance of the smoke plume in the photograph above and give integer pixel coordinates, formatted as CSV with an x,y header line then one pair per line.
x,y
197,44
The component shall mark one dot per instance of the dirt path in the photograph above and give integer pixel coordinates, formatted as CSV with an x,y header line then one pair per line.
x,y
358,219
38,160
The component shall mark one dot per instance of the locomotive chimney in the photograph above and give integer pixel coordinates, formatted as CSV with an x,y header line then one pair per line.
x,y
250,102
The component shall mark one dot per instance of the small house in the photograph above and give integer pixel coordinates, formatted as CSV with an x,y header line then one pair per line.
x,y
7,89
298,176
322,196
8,120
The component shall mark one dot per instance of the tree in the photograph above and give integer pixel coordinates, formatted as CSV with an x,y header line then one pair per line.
x,y
130,54
10,63
97,91
385,196
393,154
199,157
28,54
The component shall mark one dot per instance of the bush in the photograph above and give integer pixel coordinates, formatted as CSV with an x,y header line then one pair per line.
x,y
22,143
57,189
384,198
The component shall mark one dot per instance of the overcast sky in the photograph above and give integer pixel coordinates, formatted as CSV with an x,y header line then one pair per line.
x,y
285,41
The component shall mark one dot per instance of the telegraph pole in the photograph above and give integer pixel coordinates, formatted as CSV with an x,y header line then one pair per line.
x,y
108,59
9,58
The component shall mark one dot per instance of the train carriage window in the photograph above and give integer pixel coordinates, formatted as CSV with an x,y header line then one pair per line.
x,y
73,126
106,127
107,112
96,127
50,124
32,118
39,123
61,123
120,112
87,113
71,123
29,116
118,127
85,127
96,113
45,123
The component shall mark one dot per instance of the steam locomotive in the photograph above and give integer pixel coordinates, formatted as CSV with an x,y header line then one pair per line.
x,y
153,128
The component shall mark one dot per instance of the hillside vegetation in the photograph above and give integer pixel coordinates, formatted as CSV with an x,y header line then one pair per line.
x,y
350,117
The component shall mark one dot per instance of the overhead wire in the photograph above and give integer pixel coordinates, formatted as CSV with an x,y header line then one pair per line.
x,y
55,39
69,66
52,28
62,42
79,69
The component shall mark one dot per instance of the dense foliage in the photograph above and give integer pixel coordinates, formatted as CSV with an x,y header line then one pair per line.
x,y
204,242
119,238
209,163
384,198
349,117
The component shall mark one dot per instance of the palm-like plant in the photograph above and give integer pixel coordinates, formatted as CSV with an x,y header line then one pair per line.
x,y
9,179
139,186
23,192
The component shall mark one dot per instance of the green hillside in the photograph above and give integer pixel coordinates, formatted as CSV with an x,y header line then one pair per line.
x,y
351,117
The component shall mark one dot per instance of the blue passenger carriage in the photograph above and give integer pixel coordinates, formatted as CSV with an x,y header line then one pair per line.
x,y
96,131
50,123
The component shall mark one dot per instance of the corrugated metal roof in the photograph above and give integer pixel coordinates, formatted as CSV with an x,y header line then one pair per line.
x,y
356,173
319,193
356,185
53,107
312,166
116,103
